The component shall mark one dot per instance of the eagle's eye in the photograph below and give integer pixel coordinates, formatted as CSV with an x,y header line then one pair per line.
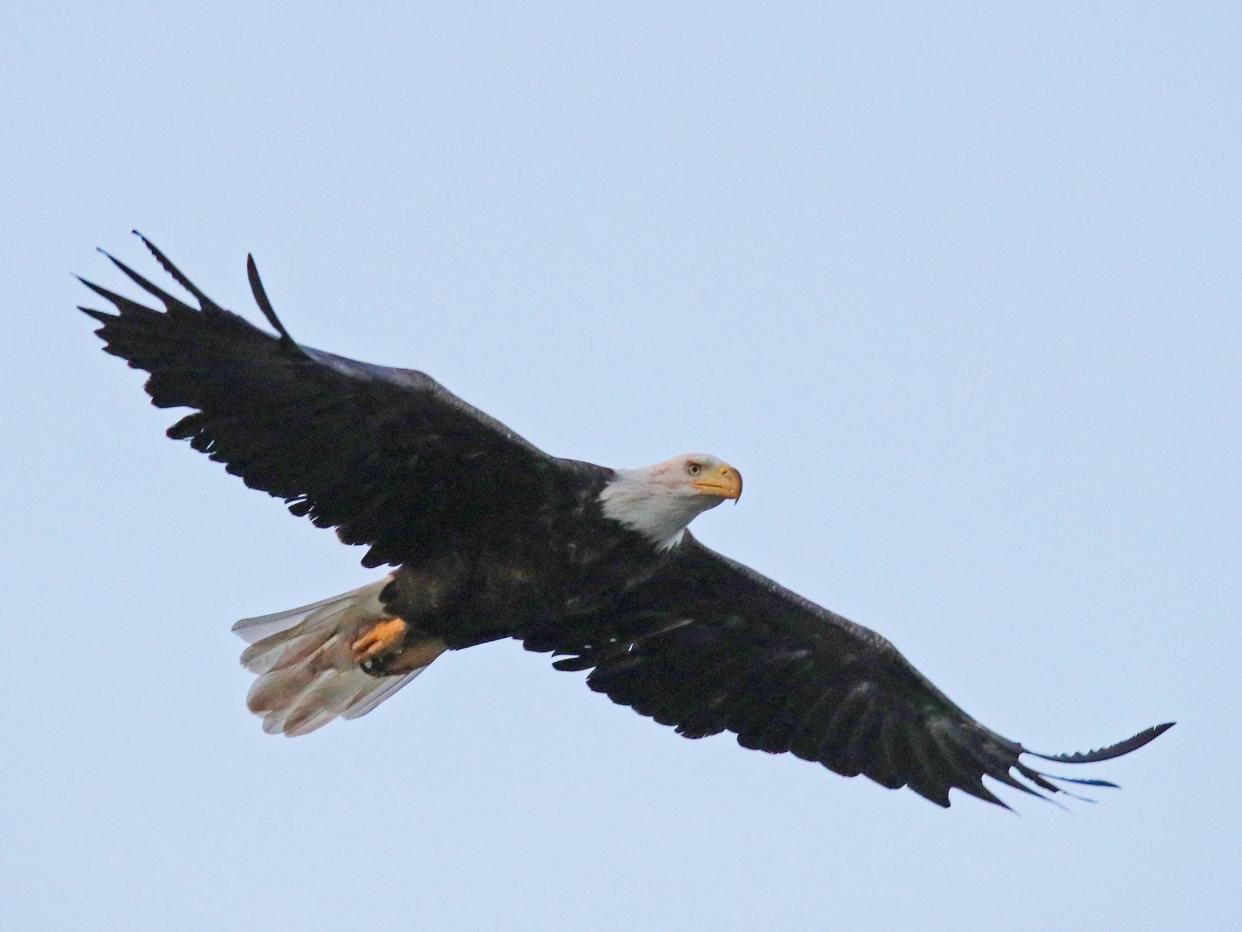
x,y
694,468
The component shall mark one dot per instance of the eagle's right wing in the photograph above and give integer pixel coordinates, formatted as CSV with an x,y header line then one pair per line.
x,y
710,645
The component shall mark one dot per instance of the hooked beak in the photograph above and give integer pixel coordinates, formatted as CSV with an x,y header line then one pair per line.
x,y
724,482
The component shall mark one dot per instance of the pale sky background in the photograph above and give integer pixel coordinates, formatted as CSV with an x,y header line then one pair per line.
x,y
957,288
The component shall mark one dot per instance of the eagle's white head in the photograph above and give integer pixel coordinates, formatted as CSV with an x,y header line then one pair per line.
x,y
659,501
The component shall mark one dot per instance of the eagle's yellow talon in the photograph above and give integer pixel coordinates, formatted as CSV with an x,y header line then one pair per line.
x,y
383,637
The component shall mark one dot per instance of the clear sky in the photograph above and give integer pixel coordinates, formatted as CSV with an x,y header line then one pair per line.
x,y
957,288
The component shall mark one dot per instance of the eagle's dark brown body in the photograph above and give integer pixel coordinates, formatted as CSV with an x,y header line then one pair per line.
x,y
558,576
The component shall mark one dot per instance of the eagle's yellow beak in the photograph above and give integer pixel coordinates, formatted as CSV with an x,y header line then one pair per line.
x,y
725,481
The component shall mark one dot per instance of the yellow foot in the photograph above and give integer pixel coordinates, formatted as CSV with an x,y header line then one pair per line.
x,y
384,637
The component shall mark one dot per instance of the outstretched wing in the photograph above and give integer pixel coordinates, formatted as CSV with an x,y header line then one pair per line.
x,y
388,457
711,646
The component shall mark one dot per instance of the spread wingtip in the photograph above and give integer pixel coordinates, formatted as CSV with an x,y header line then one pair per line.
x,y
1132,743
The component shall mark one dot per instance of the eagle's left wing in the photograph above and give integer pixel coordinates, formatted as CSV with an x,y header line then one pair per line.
x,y
710,645
388,457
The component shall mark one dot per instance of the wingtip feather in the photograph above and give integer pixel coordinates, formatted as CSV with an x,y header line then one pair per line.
x,y
265,304
102,316
110,296
1132,743
140,280
176,273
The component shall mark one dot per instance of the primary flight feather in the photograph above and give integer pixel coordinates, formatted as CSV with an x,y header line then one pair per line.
x,y
489,537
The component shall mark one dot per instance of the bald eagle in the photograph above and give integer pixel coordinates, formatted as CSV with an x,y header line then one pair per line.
x,y
488,537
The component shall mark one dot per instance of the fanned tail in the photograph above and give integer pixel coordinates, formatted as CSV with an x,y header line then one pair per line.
x,y
306,671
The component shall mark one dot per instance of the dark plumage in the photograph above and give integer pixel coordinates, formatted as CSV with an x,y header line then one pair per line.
x,y
494,538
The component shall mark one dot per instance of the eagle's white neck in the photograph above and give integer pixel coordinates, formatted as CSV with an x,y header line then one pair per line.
x,y
660,511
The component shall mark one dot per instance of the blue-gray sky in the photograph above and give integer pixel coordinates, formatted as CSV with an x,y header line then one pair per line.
x,y
955,287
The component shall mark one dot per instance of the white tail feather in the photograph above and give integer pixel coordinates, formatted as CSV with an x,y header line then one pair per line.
x,y
251,630
306,670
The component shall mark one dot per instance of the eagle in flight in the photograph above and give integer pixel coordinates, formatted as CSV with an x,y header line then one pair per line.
x,y
488,537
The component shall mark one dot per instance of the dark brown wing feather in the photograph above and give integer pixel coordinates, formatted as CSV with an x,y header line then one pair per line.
x,y
388,457
710,646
